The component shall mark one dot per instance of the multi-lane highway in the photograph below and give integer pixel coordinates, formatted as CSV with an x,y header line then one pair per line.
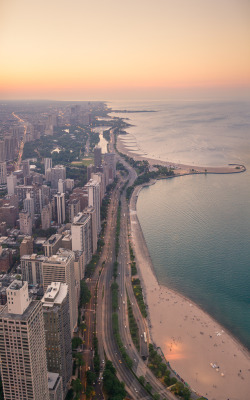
x,y
108,348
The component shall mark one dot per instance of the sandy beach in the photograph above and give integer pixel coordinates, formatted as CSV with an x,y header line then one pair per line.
x,y
199,349
180,169
211,361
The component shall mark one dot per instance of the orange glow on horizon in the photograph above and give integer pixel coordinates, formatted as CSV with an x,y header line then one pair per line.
x,y
123,47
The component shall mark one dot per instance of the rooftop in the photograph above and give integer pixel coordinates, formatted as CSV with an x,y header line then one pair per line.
x,y
55,294
16,285
53,378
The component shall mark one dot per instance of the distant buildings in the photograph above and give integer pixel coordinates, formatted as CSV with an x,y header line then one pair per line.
x,y
25,221
26,168
11,184
46,216
54,174
3,173
97,156
28,205
110,161
22,346
60,214
47,164
26,247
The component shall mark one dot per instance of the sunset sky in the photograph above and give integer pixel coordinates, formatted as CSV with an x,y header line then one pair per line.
x,y
115,49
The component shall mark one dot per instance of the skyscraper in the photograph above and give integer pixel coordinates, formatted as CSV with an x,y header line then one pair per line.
x,y
26,168
56,173
47,164
46,217
93,189
31,267
60,268
11,184
60,208
22,346
81,235
28,205
25,221
61,186
3,173
97,156
110,161
57,331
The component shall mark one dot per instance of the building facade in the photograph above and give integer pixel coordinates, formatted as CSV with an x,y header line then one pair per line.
x,y
60,268
57,331
22,346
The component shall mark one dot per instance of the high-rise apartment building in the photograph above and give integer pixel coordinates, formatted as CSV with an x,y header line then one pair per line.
x,y
61,186
2,151
60,268
59,200
11,184
47,164
10,145
110,161
3,173
92,212
57,331
26,247
31,267
25,222
46,216
82,235
93,189
22,346
74,209
54,174
52,245
97,156
55,386
100,178
28,205
26,168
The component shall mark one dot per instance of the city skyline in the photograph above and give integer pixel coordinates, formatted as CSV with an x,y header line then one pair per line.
x,y
132,50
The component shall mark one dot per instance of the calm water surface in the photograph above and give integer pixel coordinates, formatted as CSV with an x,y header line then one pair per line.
x,y
197,228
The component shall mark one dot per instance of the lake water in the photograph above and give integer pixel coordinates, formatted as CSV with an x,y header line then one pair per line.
x,y
197,228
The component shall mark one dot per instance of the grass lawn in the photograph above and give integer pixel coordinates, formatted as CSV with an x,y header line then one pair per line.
x,y
85,161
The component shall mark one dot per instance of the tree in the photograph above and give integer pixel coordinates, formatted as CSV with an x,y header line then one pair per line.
x,y
77,386
186,393
76,342
82,327
148,387
85,294
91,377
141,380
157,396
79,359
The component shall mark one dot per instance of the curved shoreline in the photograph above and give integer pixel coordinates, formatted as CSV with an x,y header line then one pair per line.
x,y
181,169
191,340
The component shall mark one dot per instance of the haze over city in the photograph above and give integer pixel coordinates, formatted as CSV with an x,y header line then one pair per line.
x,y
81,50
124,199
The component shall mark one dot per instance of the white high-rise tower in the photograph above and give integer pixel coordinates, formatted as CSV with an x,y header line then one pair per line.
x,y
22,346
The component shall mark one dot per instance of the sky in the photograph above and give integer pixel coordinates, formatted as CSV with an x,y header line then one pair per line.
x,y
116,49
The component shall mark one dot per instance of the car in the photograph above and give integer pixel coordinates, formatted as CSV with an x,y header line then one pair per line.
x,y
103,361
